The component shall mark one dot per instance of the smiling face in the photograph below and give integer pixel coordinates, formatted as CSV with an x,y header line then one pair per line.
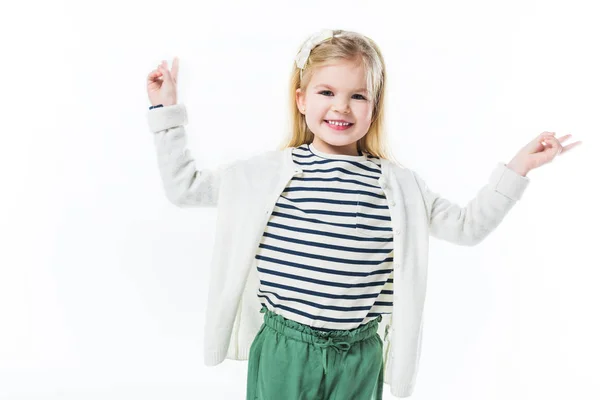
x,y
337,92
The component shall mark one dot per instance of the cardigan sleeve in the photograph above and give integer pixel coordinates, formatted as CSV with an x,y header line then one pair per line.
x,y
183,183
470,224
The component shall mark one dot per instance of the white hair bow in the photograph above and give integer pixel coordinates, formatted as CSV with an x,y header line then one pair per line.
x,y
314,40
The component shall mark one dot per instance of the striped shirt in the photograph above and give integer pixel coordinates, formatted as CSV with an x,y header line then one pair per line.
x,y
325,258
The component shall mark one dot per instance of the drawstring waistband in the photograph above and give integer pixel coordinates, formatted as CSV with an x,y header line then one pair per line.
x,y
306,333
338,346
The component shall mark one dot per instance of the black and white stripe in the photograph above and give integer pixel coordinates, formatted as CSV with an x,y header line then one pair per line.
x,y
326,256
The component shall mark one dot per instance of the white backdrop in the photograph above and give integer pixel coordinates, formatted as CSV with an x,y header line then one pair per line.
x,y
103,282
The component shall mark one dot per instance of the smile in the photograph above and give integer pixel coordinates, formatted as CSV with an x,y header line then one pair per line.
x,y
338,126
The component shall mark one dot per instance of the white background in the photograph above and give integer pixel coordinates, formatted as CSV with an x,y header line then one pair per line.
x,y
103,282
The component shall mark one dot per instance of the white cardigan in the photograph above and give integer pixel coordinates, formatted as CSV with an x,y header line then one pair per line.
x,y
245,192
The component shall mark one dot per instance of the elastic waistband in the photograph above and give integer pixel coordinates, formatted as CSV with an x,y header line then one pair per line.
x,y
305,333
339,340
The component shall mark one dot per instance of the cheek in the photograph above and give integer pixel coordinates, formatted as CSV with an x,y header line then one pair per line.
x,y
363,112
318,111
319,105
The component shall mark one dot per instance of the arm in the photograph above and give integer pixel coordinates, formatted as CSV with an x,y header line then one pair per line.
x,y
184,185
469,225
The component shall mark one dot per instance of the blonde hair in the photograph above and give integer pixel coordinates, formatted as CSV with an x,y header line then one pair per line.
x,y
350,46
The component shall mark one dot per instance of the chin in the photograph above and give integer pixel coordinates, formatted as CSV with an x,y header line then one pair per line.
x,y
338,142
340,138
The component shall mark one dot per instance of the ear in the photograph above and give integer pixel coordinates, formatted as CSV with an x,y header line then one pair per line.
x,y
300,100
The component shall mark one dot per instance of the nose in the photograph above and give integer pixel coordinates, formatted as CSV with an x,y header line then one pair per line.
x,y
341,108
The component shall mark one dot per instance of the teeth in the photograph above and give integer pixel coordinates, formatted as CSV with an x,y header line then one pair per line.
x,y
338,123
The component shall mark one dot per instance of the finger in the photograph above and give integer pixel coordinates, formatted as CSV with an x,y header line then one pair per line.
x,y
563,138
153,75
545,140
543,137
175,69
164,68
536,144
549,138
551,145
569,147
554,145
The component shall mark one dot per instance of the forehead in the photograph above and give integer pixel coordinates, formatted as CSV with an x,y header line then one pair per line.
x,y
340,75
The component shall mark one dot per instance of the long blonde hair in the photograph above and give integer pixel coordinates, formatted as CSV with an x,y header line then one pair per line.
x,y
351,46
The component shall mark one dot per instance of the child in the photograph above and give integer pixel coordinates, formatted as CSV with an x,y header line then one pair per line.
x,y
327,236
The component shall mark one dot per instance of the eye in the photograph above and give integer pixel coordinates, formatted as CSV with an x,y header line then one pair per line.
x,y
329,91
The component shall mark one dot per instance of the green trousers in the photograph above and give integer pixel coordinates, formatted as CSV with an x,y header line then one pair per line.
x,y
292,361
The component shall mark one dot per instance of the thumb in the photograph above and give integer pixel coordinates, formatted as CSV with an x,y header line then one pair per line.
x,y
536,144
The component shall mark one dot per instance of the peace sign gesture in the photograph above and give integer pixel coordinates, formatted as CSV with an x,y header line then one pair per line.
x,y
162,84
542,150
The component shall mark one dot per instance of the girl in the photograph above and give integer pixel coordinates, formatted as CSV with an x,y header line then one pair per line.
x,y
326,236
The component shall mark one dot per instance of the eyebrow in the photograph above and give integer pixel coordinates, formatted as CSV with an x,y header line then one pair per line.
x,y
329,87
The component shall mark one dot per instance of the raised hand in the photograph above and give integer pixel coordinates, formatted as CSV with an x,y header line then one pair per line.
x,y
162,84
541,150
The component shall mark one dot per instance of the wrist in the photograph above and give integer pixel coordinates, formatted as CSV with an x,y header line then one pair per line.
x,y
519,169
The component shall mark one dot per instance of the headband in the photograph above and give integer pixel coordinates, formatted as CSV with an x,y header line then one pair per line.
x,y
314,40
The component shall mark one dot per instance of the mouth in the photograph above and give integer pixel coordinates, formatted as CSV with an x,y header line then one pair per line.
x,y
338,126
